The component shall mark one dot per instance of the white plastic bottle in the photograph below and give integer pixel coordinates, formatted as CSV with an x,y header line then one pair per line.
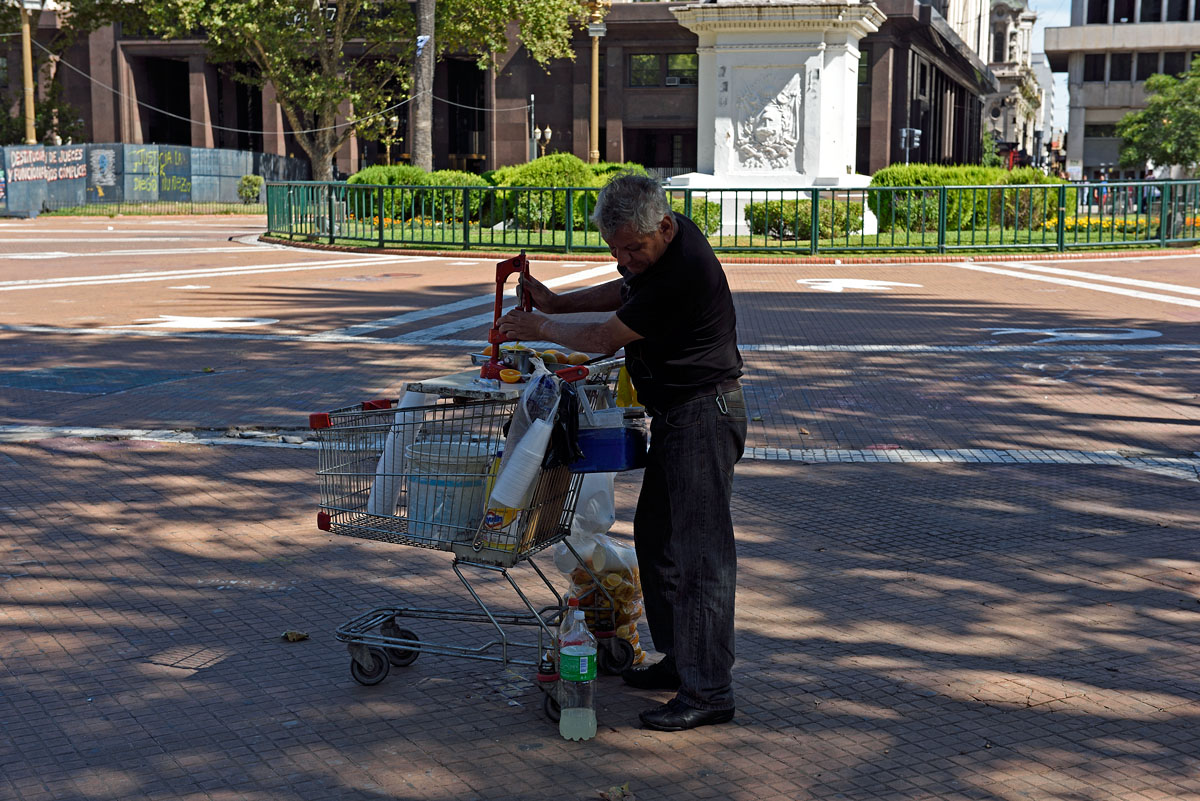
x,y
577,674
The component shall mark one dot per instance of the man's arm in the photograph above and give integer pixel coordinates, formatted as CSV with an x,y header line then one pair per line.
x,y
608,336
603,297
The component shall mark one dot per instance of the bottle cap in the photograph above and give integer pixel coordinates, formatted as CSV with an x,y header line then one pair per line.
x,y
573,602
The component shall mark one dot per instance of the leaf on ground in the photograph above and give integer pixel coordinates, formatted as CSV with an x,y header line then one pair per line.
x,y
294,636
617,793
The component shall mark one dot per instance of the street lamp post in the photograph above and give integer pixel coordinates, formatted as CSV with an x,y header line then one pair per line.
x,y
27,9
542,137
596,29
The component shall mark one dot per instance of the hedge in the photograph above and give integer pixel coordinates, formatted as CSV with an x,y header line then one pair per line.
x,y
792,219
968,206
706,214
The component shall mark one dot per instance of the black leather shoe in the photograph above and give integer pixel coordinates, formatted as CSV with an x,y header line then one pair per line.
x,y
675,715
659,676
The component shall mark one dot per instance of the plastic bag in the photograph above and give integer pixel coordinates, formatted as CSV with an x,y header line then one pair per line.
x,y
613,564
385,488
527,440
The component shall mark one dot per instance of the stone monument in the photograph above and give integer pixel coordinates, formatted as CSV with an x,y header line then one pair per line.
x,y
778,92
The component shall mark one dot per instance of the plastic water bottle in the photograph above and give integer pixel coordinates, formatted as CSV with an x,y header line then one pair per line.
x,y
577,674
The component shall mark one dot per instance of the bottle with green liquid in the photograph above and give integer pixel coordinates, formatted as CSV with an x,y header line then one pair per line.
x,y
577,673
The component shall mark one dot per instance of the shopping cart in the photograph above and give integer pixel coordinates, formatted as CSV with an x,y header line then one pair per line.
x,y
422,477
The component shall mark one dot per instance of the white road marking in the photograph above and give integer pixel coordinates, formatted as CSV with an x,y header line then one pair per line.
x,y
841,284
45,254
210,272
1186,468
1075,334
436,311
44,239
1132,293
1112,279
209,323
59,254
191,286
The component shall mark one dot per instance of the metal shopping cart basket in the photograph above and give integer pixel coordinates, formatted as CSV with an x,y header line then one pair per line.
x,y
422,477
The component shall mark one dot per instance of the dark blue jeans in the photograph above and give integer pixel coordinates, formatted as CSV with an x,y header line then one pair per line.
x,y
685,543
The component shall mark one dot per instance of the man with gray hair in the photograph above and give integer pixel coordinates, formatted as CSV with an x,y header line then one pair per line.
x,y
673,313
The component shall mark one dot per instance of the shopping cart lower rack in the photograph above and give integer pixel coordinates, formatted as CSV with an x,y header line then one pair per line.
x,y
422,477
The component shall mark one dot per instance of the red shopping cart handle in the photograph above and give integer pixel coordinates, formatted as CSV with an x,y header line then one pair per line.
x,y
517,264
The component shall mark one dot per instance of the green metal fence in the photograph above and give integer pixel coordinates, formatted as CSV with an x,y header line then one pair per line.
x,y
1050,216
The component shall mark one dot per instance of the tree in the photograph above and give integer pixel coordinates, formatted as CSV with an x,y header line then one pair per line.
x,y
989,157
348,58
1167,131
324,58
480,27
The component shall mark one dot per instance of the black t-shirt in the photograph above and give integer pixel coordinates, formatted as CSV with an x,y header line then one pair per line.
x,y
682,307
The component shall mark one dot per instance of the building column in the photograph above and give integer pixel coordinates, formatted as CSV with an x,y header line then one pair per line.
x,y
202,130
272,115
347,155
614,80
883,57
581,95
130,114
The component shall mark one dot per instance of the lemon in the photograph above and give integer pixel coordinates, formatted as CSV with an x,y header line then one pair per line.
x,y
577,358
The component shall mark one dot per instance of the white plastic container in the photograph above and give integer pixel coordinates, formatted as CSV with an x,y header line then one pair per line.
x,y
447,482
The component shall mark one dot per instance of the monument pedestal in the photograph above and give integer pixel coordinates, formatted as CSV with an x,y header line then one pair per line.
x,y
778,93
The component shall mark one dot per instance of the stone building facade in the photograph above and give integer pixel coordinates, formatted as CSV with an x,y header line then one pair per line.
x,y
921,69
1108,52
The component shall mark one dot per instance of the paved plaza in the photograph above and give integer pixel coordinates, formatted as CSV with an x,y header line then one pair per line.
x,y
967,518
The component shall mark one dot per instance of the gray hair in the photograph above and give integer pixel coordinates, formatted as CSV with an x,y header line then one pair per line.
x,y
631,200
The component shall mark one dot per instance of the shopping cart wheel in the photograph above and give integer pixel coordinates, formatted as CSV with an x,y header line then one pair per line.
x,y
398,655
614,656
376,673
551,708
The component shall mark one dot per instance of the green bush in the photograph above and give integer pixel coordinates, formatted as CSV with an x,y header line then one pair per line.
x,y
250,188
546,206
969,204
705,214
445,204
401,203
792,219
605,170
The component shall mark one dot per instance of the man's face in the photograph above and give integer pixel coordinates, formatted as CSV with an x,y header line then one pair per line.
x,y
637,252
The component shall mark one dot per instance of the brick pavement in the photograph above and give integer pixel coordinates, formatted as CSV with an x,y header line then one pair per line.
x,y
905,632
919,617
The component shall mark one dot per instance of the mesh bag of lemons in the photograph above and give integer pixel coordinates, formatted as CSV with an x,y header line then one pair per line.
x,y
607,584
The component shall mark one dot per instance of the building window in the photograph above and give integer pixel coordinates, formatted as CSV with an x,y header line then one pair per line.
x,y
1177,11
1097,12
998,47
1100,131
682,69
864,87
1174,62
644,69
1123,10
864,66
1147,65
1093,68
1151,10
647,69
1120,67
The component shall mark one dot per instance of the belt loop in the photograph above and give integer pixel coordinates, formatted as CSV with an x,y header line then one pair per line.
x,y
721,404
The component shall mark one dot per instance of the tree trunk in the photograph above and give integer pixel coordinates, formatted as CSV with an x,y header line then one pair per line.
x,y
422,137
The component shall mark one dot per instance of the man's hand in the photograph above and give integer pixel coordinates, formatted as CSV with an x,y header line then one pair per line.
x,y
522,325
539,295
